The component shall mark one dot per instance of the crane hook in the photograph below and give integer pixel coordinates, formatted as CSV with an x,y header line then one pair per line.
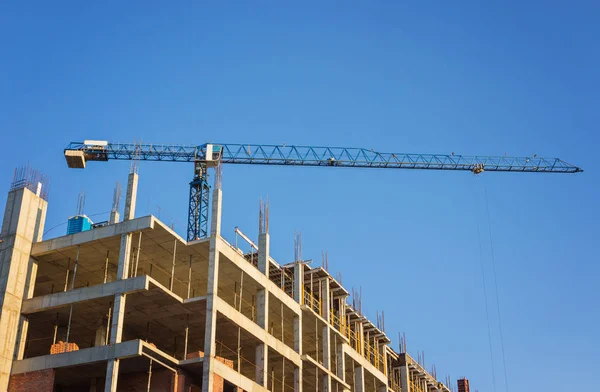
x,y
478,168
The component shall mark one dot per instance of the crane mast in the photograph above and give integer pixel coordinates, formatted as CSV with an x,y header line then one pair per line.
x,y
210,155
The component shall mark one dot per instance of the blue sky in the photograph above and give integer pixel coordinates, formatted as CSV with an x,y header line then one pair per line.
x,y
468,77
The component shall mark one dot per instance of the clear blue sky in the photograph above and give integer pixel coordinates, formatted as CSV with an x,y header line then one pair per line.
x,y
432,77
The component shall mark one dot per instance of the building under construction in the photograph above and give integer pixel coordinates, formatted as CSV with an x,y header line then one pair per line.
x,y
129,305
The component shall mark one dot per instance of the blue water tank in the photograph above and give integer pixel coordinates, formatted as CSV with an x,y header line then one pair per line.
x,y
78,223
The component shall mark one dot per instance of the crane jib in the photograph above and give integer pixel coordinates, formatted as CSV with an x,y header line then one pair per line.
x,y
285,155
204,156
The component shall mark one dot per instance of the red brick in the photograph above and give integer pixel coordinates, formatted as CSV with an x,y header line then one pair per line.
x,y
62,347
194,354
39,381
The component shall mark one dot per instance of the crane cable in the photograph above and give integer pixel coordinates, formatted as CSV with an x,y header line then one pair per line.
x,y
485,298
496,288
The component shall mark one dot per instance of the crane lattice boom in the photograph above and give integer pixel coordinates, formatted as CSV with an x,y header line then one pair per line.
x,y
212,154
315,156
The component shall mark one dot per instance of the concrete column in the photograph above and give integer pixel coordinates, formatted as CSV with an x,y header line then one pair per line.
x,y
262,365
298,349
360,335
21,338
362,339
112,375
262,296
298,282
405,378
100,339
211,314
131,196
326,344
298,333
382,351
116,327
93,385
359,379
215,217
326,358
326,347
23,224
341,362
326,383
342,307
325,299
114,218
298,379
118,312
262,309
24,321
264,244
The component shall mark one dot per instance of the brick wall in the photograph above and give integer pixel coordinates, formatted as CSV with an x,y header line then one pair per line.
x,y
463,385
39,381
218,382
162,381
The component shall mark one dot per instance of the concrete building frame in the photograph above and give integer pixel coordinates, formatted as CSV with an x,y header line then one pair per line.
x,y
147,308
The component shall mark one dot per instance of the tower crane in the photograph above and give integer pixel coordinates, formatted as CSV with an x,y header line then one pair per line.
x,y
210,155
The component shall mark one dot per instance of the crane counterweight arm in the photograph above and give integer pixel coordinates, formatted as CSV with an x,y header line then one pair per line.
x,y
78,153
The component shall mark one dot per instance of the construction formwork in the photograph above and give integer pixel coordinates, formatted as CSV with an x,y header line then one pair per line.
x,y
132,306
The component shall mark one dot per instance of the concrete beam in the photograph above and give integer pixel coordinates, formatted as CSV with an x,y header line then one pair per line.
x,y
312,313
364,363
250,326
227,250
127,349
44,247
236,378
63,298
310,359
159,356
